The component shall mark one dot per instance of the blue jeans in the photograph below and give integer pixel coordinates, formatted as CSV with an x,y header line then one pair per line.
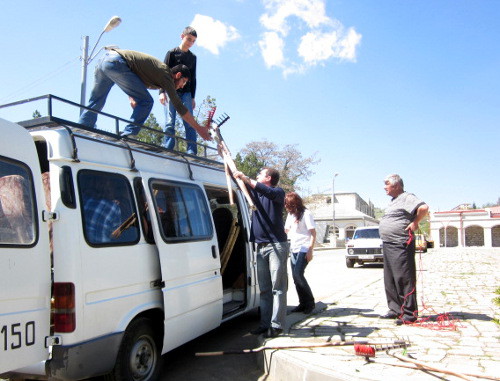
x,y
299,264
170,116
273,283
114,69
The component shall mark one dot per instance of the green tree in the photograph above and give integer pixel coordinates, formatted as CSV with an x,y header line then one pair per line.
x,y
379,212
149,136
200,115
293,167
36,114
249,165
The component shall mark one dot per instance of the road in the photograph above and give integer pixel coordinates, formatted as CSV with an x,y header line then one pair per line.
x,y
330,281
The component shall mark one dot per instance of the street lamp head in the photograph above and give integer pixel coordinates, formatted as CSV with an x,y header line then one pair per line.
x,y
112,23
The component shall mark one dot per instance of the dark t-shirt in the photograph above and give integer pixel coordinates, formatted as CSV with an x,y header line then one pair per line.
x,y
267,219
176,57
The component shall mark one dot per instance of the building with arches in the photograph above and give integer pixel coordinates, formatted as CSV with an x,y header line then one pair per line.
x,y
351,211
463,226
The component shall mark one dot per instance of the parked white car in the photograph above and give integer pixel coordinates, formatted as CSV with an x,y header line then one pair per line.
x,y
365,246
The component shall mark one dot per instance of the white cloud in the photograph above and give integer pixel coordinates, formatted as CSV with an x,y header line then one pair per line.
x,y
324,38
213,34
316,46
312,12
271,47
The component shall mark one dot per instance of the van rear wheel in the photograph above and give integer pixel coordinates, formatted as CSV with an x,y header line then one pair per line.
x,y
139,357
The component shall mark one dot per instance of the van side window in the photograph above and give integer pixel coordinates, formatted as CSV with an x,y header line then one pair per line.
x,y
182,212
17,225
108,211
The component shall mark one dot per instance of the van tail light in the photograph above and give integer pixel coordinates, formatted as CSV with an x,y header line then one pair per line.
x,y
63,308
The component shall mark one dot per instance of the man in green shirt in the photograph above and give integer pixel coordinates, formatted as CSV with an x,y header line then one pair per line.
x,y
135,73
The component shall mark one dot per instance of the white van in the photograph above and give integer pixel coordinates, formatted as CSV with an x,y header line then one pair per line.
x,y
112,252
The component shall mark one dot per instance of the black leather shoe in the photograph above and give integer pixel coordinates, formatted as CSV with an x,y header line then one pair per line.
x,y
299,308
389,315
408,320
259,331
273,332
308,310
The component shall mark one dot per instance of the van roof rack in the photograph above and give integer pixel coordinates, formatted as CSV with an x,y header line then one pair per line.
x,y
150,141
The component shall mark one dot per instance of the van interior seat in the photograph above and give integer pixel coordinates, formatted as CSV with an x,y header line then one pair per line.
x,y
16,219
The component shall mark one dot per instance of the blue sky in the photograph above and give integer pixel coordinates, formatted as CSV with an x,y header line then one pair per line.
x,y
371,87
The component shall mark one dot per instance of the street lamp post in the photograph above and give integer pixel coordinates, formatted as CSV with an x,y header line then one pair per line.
x,y
334,235
87,58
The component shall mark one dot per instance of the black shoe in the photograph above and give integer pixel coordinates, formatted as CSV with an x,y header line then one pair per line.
x,y
299,308
273,332
408,320
259,331
389,315
308,310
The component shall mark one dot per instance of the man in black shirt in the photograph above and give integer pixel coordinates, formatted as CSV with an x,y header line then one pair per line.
x,y
268,233
181,55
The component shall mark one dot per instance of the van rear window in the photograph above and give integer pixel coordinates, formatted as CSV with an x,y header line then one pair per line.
x,y
182,212
17,225
108,209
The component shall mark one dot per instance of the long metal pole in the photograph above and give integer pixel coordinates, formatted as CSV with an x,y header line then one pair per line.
x,y
334,236
85,57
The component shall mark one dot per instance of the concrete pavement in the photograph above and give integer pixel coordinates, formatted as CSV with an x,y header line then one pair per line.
x,y
454,284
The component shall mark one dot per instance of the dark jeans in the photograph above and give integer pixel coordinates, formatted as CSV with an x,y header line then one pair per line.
x,y
114,69
299,264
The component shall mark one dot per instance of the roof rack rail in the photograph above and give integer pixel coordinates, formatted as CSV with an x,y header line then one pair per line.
x,y
150,140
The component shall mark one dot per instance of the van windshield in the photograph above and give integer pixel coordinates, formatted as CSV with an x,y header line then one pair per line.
x,y
366,233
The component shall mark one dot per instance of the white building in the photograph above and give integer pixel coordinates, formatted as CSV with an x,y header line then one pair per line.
x,y
463,226
350,212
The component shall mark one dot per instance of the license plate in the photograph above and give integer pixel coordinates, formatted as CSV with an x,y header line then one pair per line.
x,y
368,256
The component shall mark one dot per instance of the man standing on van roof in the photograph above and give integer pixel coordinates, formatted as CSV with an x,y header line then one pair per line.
x,y
268,232
396,227
135,73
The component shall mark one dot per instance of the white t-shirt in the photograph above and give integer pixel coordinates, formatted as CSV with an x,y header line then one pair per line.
x,y
298,232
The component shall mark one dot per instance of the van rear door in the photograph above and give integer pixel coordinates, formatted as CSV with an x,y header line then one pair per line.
x,y
24,253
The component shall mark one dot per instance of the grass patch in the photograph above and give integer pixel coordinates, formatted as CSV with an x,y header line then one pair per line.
x,y
496,301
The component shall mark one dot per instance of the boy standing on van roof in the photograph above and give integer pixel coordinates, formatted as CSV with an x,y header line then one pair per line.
x,y
268,232
181,55
134,73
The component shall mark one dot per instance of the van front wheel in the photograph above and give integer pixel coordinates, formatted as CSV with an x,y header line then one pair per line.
x,y
139,357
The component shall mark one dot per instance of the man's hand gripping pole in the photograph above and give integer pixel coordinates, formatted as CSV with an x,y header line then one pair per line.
x,y
229,165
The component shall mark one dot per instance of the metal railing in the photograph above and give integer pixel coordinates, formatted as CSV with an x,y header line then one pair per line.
x,y
207,151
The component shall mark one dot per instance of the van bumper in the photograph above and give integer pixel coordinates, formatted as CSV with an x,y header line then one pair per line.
x,y
366,257
84,360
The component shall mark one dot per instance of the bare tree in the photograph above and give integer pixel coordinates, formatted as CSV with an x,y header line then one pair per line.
x,y
293,167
